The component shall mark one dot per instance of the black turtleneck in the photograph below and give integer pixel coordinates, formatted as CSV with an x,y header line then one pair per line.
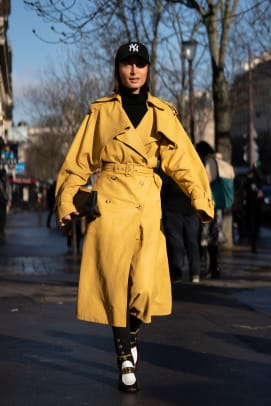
x,y
135,106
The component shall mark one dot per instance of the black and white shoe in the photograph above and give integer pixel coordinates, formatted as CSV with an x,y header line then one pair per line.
x,y
127,378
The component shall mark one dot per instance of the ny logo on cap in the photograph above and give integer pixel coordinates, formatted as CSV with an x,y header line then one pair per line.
x,y
133,47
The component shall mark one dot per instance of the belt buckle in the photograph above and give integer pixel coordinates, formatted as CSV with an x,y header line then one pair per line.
x,y
129,169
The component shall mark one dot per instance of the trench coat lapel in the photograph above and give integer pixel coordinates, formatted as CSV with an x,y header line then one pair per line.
x,y
164,124
123,130
130,137
126,133
121,127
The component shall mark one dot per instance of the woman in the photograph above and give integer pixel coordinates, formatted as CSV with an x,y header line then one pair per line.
x,y
212,233
254,199
124,276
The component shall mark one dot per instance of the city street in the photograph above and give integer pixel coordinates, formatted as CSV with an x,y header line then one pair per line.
x,y
214,349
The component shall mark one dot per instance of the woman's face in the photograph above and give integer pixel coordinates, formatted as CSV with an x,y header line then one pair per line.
x,y
133,73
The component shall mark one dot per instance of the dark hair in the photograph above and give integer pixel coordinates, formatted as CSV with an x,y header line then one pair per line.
x,y
118,86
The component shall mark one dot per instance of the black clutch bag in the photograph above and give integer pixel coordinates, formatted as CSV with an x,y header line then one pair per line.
x,y
86,204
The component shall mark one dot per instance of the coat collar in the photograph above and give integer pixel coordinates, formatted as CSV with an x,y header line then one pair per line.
x,y
152,100
124,131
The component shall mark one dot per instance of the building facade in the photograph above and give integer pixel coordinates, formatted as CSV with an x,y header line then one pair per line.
x,y
254,80
6,101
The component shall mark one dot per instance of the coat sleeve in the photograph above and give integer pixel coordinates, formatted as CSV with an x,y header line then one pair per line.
x,y
79,164
181,162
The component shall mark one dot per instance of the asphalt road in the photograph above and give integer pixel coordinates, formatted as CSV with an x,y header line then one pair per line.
x,y
213,350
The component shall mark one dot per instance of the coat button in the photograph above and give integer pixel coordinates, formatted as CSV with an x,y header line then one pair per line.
x,y
139,207
141,183
113,177
108,201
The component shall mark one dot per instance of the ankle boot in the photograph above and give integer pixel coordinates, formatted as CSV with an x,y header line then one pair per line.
x,y
127,378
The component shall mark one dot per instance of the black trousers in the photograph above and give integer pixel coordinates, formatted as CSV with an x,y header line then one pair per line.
x,y
182,238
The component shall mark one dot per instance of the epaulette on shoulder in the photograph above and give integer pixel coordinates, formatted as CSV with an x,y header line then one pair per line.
x,y
171,105
106,98
99,102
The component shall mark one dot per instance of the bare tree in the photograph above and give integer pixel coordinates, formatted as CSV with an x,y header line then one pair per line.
x,y
258,16
142,20
109,22
58,103
151,22
217,17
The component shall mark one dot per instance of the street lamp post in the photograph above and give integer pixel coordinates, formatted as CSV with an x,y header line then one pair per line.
x,y
189,51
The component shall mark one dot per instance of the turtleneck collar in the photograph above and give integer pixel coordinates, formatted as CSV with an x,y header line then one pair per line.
x,y
135,105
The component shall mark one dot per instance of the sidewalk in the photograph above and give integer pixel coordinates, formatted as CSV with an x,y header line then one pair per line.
x,y
31,249
34,260
214,349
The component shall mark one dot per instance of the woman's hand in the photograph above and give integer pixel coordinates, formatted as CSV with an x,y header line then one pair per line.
x,y
204,217
68,217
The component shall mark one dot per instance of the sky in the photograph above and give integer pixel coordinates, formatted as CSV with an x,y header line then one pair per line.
x,y
30,55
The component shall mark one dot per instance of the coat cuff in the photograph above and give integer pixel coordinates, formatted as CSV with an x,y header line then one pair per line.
x,y
63,210
204,208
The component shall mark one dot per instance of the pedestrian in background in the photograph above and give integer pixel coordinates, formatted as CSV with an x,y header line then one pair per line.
x,y
253,205
182,231
210,232
75,235
3,203
124,276
238,211
50,200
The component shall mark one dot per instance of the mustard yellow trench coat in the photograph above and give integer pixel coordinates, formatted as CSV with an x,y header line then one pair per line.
x,y
124,251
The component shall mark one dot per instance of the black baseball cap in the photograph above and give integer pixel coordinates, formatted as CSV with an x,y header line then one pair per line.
x,y
132,48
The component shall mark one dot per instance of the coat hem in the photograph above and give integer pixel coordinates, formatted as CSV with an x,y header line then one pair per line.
x,y
109,323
